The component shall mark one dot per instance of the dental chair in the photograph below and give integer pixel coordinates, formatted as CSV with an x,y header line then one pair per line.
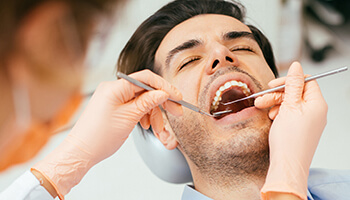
x,y
169,165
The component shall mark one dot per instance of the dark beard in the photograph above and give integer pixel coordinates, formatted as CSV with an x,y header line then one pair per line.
x,y
244,155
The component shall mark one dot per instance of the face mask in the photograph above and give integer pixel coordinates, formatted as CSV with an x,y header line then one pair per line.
x,y
30,142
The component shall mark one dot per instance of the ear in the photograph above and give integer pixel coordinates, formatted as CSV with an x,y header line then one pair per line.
x,y
167,135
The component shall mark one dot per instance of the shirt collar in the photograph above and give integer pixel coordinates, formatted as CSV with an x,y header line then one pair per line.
x,y
190,193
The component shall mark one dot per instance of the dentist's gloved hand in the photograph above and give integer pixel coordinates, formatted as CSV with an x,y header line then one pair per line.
x,y
113,111
300,115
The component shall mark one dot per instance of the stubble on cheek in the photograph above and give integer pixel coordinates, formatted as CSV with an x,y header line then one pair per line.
x,y
245,152
240,151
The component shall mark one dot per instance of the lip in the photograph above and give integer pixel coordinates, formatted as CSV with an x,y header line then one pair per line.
x,y
229,77
238,117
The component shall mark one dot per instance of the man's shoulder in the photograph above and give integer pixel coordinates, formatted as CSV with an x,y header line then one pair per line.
x,y
324,184
190,193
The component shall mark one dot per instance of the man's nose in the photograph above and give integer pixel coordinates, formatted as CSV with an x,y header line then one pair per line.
x,y
221,57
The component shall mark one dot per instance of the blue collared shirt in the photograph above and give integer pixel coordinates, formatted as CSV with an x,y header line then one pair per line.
x,y
323,184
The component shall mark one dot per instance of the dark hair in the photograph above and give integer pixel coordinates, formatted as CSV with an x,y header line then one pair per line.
x,y
139,52
13,12
265,47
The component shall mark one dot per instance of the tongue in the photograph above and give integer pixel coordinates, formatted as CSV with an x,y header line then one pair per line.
x,y
231,95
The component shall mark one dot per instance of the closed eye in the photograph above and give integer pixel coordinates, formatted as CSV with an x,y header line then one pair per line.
x,y
188,62
243,49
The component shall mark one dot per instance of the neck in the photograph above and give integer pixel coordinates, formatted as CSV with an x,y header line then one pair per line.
x,y
6,105
222,187
227,181
7,113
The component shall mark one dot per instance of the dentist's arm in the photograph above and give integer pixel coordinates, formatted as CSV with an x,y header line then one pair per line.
x,y
113,111
300,115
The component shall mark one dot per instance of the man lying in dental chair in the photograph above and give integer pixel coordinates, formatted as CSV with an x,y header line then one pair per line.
x,y
264,149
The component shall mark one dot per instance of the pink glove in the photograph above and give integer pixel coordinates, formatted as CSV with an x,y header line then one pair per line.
x,y
113,111
300,115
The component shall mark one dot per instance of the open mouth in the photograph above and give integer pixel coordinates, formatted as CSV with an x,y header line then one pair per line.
x,y
230,91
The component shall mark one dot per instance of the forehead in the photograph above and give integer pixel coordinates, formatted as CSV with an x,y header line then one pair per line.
x,y
206,27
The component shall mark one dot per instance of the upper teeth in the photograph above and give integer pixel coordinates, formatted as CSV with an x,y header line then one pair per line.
x,y
226,86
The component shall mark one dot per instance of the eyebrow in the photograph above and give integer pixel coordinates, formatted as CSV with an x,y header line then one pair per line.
x,y
184,46
238,34
195,42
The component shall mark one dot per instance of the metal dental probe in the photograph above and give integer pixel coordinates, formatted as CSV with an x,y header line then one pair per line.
x,y
321,75
146,87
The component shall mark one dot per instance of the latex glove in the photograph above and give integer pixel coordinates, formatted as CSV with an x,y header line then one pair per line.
x,y
300,115
113,111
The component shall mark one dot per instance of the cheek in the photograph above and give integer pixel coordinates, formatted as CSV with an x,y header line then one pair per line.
x,y
267,76
261,71
189,86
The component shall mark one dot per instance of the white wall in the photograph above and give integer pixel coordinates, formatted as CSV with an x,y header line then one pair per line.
x,y
124,175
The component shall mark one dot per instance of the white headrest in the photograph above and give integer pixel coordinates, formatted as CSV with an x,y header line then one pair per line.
x,y
168,165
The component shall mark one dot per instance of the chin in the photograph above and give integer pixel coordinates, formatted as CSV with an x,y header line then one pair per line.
x,y
244,121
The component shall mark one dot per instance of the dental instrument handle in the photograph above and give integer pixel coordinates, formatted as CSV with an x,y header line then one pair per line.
x,y
190,106
310,78
146,87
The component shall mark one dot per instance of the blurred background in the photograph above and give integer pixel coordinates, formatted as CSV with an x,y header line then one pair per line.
x,y
314,32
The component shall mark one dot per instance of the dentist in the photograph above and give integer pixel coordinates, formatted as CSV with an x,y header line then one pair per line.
x,y
42,57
